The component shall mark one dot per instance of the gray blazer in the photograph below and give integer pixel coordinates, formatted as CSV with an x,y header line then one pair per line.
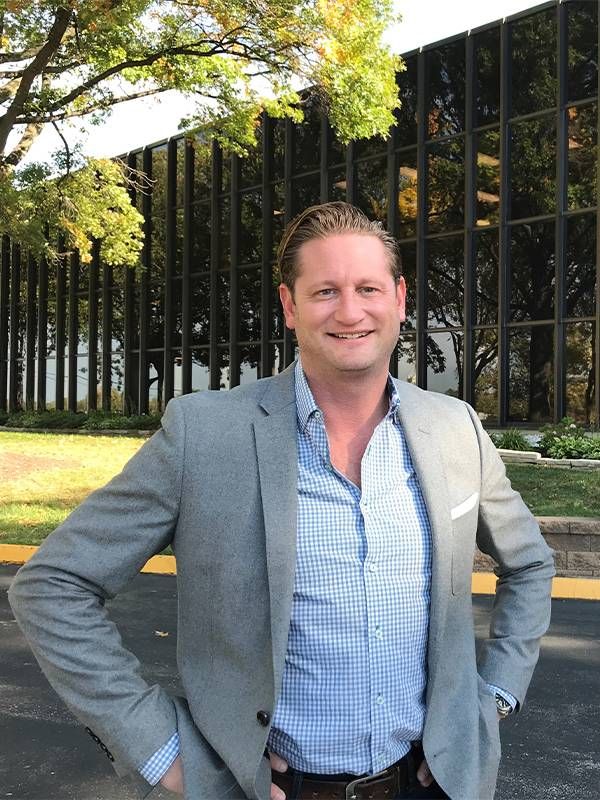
x,y
218,482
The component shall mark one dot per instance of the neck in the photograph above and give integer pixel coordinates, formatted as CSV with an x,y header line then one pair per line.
x,y
350,398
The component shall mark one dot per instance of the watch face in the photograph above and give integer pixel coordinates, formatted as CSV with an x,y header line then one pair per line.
x,y
503,706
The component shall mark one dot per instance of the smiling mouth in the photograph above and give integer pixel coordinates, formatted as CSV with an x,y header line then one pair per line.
x,y
359,335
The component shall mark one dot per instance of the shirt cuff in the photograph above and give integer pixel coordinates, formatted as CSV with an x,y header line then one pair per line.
x,y
504,694
155,767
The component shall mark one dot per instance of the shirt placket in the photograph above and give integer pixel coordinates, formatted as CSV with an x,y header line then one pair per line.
x,y
373,574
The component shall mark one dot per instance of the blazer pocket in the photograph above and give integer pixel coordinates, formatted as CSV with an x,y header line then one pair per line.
x,y
463,508
463,544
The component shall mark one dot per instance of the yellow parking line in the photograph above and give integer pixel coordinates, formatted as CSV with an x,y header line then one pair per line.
x,y
482,582
161,565
16,553
566,588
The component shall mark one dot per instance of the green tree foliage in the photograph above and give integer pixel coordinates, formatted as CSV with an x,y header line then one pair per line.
x,y
234,59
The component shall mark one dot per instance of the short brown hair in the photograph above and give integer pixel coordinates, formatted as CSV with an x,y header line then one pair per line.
x,y
328,219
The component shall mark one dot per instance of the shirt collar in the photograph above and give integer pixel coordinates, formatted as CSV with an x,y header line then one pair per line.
x,y
306,406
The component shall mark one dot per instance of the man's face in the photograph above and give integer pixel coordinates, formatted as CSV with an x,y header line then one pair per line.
x,y
346,308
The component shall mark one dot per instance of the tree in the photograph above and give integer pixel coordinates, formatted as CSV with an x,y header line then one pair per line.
x,y
62,61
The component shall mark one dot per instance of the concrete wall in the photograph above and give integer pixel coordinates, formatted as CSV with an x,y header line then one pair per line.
x,y
576,545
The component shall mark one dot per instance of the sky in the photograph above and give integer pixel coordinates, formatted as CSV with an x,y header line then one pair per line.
x,y
145,121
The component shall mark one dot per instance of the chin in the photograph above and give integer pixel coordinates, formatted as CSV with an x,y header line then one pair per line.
x,y
356,366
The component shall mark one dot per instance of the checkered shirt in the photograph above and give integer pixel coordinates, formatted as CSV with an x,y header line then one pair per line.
x,y
156,766
353,692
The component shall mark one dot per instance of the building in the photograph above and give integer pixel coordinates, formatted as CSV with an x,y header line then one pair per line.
x,y
490,180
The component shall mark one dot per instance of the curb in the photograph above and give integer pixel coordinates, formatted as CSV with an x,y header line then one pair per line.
x,y
534,458
482,582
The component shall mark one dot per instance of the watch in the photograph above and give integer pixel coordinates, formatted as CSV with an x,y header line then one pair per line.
x,y
503,706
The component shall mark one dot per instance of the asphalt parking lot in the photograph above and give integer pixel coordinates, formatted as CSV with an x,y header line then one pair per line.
x,y
551,750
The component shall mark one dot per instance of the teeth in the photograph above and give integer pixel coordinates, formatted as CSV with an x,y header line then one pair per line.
x,y
349,335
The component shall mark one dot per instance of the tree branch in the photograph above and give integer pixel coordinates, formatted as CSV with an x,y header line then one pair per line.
x,y
22,55
99,106
67,152
50,46
223,46
9,89
23,146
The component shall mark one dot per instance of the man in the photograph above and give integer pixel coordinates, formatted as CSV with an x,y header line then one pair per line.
x,y
324,524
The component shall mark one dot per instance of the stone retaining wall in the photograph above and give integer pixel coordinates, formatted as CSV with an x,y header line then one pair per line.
x,y
576,545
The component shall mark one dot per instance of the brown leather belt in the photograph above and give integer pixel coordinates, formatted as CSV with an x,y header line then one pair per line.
x,y
381,786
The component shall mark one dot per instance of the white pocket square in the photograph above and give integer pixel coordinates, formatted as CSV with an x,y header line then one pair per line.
x,y
465,506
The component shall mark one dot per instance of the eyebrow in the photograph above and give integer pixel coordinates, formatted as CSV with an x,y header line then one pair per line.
x,y
325,284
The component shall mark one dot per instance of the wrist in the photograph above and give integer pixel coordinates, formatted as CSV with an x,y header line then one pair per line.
x,y
173,777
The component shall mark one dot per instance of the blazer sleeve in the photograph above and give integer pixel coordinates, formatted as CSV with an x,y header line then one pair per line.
x,y
509,533
58,599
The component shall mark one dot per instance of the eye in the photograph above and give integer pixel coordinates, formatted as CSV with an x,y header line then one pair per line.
x,y
368,289
325,292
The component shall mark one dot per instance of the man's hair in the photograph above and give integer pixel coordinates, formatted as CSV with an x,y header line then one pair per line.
x,y
329,219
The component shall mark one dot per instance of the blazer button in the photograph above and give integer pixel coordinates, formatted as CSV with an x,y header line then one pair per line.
x,y
264,718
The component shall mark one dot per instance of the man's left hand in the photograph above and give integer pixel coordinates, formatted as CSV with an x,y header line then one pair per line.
x,y
424,775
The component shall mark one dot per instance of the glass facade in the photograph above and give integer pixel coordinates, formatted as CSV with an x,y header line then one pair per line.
x,y
489,180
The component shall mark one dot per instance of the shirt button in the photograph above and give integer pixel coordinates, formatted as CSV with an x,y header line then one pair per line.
x,y
379,699
378,632
372,567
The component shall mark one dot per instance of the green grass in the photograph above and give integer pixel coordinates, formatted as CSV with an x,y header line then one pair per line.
x,y
44,476
551,492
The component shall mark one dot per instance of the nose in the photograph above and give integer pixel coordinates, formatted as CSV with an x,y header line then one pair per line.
x,y
348,311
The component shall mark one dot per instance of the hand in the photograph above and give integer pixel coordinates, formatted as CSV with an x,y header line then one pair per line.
x,y
279,765
424,775
173,777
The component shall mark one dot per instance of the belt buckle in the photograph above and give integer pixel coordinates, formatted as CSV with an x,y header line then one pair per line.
x,y
350,787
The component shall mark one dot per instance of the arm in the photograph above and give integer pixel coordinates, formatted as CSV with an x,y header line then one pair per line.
x,y
58,599
508,532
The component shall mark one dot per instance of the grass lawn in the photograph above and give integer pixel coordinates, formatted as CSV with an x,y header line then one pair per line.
x,y
44,476
552,492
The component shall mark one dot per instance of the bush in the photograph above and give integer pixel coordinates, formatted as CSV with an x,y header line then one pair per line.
x,y
567,446
45,419
552,435
511,439
94,421
107,421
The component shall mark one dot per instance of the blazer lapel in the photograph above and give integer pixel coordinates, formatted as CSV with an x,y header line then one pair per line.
x,y
428,465
276,448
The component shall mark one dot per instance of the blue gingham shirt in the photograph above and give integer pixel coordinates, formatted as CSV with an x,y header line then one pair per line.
x,y
353,689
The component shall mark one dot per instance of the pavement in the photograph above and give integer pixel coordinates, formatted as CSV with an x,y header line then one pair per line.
x,y
551,749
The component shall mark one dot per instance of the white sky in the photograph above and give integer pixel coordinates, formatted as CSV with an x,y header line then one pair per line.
x,y
141,122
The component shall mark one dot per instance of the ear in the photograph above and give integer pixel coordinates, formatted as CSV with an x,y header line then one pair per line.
x,y
289,307
401,298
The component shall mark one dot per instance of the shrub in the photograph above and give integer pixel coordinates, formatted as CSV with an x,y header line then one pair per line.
x,y
107,421
94,421
511,439
45,419
567,446
552,434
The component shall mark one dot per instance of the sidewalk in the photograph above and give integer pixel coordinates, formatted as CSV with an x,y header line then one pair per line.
x,y
550,750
